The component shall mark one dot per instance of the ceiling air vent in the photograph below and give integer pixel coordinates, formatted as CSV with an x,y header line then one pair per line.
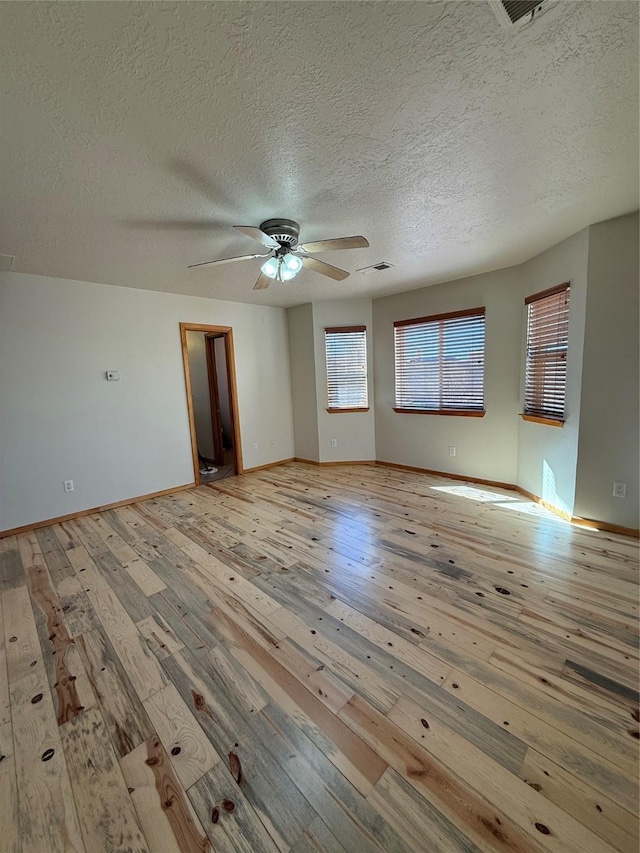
x,y
512,13
383,265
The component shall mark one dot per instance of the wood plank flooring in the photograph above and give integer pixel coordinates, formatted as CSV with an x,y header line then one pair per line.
x,y
336,659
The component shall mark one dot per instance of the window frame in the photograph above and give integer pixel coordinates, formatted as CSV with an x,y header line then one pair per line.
x,y
440,318
346,330
540,415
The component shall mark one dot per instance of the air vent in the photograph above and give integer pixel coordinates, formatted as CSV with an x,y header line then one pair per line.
x,y
512,13
6,262
383,265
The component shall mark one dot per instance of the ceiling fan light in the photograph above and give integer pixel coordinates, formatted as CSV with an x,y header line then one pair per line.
x,y
286,274
292,263
270,267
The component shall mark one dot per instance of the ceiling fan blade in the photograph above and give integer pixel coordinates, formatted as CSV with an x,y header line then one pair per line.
x,y
338,243
227,260
325,269
258,235
263,282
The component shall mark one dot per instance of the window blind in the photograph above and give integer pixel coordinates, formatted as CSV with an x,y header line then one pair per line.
x,y
547,345
346,351
440,363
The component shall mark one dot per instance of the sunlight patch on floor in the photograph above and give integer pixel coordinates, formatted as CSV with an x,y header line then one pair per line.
x,y
473,493
503,501
532,508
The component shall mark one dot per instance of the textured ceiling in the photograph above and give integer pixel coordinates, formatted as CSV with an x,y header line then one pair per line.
x,y
135,134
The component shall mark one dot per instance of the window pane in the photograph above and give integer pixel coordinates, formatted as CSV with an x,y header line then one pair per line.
x,y
346,353
440,363
546,362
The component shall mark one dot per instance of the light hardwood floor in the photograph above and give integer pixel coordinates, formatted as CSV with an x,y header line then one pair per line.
x,y
342,659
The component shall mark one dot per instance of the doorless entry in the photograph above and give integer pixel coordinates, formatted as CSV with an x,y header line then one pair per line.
x,y
218,375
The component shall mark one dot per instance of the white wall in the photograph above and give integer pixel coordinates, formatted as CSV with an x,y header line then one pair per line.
x,y
548,456
303,382
485,447
60,419
200,392
609,441
354,431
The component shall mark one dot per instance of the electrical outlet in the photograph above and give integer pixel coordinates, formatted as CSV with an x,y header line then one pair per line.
x,y
334,442
452,451
68,485
113,375
619,490
255,447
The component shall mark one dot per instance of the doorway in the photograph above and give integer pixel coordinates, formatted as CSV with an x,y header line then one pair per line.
x,y
210,378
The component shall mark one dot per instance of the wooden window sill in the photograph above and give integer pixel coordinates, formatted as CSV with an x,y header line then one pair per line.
x,y
538,419
457,413
340,411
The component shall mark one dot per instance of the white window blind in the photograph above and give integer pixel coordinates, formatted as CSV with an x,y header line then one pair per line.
x,y
440,363
547,344
346,349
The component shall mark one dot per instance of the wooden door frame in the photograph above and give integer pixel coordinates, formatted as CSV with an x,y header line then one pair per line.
x,y
214,397
227,331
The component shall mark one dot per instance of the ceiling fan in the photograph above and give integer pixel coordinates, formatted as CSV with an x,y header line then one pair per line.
x,y
286,257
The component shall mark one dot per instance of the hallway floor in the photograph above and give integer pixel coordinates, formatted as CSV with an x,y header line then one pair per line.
x,y
222,472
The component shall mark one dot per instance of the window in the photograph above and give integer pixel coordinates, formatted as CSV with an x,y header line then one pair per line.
x,y
346,349
440,364
546,364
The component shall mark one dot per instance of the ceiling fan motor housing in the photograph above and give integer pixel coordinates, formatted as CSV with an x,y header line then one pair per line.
x,y
285,231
